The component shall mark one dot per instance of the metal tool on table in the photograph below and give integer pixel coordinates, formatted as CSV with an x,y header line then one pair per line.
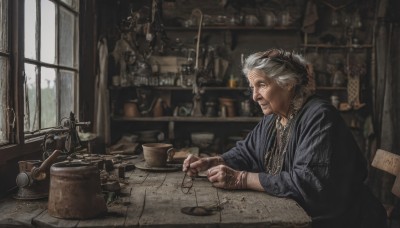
x,y
59,143
65,138
32,180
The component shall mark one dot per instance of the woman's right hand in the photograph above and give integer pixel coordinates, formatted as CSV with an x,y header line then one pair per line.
x,y
193,165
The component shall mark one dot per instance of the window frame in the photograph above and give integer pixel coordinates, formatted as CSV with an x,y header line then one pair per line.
x,y
56,66
8,54
19,144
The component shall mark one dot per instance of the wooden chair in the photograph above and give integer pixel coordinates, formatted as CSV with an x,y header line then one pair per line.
x,y
389,162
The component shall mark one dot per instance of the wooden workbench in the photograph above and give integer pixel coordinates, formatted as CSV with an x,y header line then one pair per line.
x,y
155,199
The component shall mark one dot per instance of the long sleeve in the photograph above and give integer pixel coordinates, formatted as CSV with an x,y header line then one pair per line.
x,y
323,168
248,153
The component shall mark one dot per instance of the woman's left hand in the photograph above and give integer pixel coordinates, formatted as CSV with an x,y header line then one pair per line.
x,y
222,176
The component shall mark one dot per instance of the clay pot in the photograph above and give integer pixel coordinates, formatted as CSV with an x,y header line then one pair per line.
x,y
229,104
75,191
157,154
158,108
131,109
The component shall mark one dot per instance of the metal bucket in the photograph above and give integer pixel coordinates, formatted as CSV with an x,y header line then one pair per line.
x,y
75,191
28,189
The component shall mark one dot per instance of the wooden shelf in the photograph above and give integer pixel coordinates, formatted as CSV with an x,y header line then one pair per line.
x,y
249,28
188,119
336,46
330,88
177,88
219,88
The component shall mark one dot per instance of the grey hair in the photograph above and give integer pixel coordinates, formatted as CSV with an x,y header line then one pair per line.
x,y
285,68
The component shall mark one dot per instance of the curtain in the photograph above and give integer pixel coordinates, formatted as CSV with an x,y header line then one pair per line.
x,y
101,107
386,92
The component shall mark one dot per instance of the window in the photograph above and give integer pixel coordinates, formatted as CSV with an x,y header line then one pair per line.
x,y
46,55
51,66
5,110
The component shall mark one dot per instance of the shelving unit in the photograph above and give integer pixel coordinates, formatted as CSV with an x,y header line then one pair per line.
x,y
235,40
346,49
179,127
230,42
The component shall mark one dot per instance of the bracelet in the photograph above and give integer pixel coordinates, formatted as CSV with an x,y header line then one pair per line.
x,y
241,181
244,180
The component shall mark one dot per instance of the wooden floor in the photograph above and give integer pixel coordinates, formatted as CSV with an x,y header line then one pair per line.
x,y
155,199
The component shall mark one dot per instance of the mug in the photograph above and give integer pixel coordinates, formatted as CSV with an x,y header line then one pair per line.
x,y
158,154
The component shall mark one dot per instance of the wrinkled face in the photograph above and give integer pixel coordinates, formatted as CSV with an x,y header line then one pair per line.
x,y
268,94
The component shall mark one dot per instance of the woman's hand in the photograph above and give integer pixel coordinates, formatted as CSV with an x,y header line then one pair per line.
x,y
222,176
193,165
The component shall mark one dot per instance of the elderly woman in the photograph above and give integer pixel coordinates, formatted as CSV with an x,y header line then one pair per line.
x,y
301,149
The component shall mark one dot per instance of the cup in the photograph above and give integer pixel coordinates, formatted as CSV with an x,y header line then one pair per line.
x,y
158,154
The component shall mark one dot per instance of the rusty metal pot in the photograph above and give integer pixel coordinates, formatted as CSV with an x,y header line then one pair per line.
x,y
75,191
33,178
28,188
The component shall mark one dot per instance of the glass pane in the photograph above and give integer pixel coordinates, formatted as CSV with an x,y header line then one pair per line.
x,y
48,97
67,34
74,4
30,29
31,109
67,95
4,25
3,99
48,32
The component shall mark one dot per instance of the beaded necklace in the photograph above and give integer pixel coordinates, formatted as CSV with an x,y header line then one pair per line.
x,y
273,159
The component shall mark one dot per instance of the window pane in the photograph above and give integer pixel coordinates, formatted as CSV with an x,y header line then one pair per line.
x,y
30,29
31,109
74,4
67,96
48,97
3,99
48,32
4,25
67,34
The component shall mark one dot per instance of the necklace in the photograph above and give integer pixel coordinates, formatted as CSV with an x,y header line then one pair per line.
x,y
274,158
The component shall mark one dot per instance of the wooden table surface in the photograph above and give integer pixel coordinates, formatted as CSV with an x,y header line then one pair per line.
x,y
155,199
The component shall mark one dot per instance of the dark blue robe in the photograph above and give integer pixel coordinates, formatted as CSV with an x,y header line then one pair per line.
x,y
324,170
